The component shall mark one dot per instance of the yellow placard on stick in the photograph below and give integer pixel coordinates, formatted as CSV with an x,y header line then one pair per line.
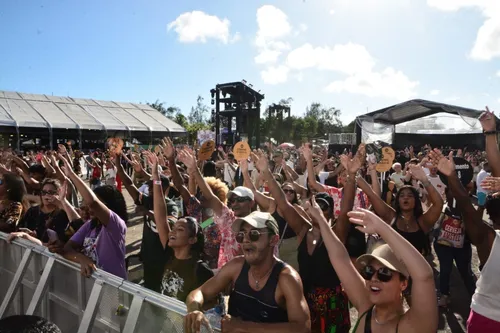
x,y
206,150
385,163
241,151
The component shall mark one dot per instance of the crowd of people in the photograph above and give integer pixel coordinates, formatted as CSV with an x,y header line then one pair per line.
x,y
283,240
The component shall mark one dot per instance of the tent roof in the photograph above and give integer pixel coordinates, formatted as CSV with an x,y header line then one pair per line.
x,y
414,109
33,110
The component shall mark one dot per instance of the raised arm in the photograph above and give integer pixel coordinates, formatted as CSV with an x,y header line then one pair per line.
x,y
262,200
423,312
126,180
311,175
169,152
430,217
342,226
352,282
386,212
292,217
488,122
99,209
160,207
212,200
480,234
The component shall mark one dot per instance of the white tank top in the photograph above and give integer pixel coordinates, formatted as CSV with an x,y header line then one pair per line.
x,y
486,299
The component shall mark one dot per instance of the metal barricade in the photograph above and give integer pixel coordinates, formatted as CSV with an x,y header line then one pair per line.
x,y
34,281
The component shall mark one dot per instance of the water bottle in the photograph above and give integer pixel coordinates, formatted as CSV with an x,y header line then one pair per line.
x,y
214,318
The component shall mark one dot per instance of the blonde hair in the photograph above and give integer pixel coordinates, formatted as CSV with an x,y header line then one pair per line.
x,y
218,188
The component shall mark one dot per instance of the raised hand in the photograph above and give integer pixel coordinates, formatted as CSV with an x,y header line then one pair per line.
x,y
262,164
312,208
66,168
488,121
307,152
168,148
445,165
366,221
351,165
491,184
417,172
244,166
188,159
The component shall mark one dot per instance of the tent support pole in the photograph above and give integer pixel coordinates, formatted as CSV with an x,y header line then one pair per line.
x,y
51,138
18,139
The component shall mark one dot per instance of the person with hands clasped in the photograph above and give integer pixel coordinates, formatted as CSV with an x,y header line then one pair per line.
x,y
99,243
266,294
376,285
485,306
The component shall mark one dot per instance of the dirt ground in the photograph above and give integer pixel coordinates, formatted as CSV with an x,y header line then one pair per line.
x,y
452,320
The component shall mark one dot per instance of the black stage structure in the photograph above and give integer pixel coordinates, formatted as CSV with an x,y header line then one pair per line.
x,y
415,109
242,102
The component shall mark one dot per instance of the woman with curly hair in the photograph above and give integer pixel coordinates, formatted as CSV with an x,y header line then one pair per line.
x,y
12,192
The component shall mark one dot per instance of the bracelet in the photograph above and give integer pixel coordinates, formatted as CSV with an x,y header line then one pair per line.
x,y
490,132
426,183
157,182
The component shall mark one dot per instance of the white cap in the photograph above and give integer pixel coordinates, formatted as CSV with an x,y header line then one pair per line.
x,y
242,192
258,220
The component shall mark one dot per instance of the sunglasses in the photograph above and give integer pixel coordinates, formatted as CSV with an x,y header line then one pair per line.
x,y
253,235
384,274
237,199
48,193
288,191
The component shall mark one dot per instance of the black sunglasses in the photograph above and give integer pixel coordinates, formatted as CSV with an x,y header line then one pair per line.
x,y
253,235
48,193
237,199
288,191
384,274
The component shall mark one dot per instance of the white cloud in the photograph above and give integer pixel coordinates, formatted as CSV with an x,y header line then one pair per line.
x,y
332,12
498,73
275,75
435,92
197,26
349,58
303,27
389,83
273,26
487,43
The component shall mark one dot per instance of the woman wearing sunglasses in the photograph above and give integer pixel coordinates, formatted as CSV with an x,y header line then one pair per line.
x,y
376,289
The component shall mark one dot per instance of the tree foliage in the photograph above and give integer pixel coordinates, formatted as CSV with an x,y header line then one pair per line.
x,y
316,122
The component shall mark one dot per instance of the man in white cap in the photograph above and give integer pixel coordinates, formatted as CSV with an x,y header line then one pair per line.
x,y
267,294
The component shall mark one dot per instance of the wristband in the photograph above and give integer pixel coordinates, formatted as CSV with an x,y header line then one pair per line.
x,y
157,182
490,132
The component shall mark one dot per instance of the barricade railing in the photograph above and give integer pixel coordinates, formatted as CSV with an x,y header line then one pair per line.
x,y
34,281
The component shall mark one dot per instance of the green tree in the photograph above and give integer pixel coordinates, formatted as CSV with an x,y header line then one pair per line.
x,y
199,113
328,119
168,112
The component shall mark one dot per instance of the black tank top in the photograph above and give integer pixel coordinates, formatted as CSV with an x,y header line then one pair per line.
x,y
257,306
289,233
418,239
316,270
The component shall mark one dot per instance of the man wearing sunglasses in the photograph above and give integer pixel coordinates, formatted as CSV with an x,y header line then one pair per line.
x,y
267,294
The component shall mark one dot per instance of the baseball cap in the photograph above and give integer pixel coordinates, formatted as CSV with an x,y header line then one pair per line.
x,y
242,191
258,220
384,255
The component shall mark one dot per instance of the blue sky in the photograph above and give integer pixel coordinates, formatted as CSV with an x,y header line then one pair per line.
x,y
356,55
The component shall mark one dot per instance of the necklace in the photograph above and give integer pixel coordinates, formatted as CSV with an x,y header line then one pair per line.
x,y
258,280
376,320
407,223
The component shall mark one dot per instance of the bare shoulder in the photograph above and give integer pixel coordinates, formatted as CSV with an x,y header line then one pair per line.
x,y
289,276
